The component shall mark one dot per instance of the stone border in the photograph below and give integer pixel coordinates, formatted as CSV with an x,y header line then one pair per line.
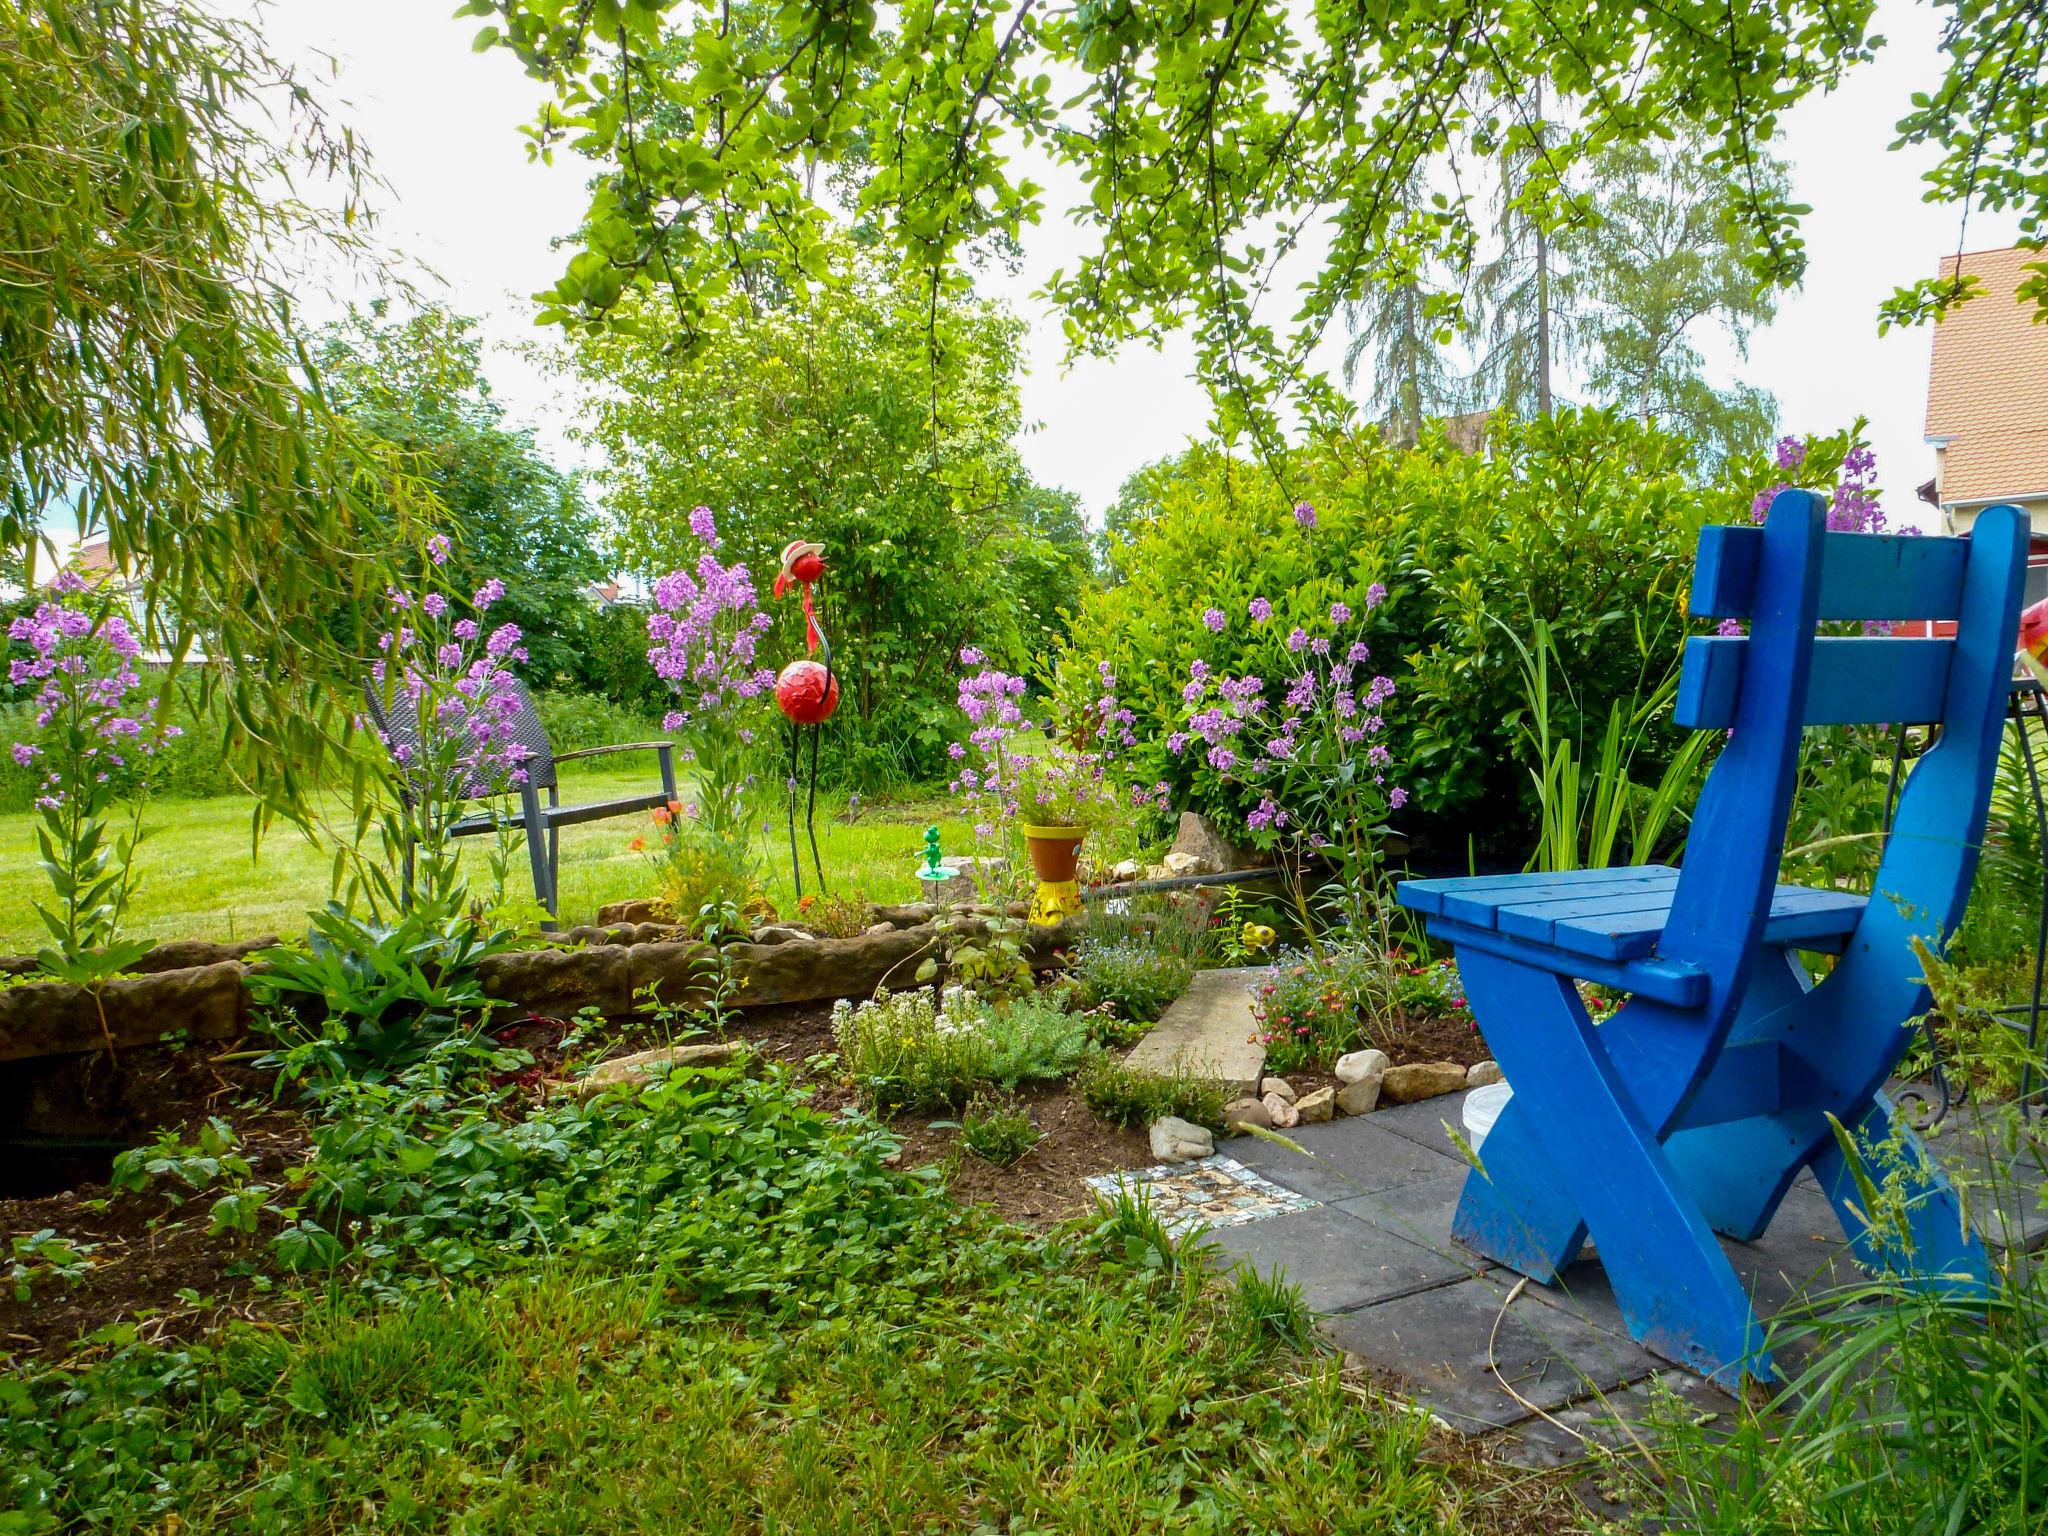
x,y
195,990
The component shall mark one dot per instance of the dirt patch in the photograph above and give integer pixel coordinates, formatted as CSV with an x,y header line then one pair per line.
x,y
1432,1037
154,1262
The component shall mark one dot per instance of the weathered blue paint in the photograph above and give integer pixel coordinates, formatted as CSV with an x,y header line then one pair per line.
x,y
1691,1110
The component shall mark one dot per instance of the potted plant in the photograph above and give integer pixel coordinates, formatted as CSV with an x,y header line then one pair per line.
x,y
1059,795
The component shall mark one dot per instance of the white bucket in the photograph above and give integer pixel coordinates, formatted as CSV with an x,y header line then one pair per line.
x,y
1482,1108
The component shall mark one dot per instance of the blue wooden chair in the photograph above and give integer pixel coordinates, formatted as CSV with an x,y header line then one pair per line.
x,y
1692,1109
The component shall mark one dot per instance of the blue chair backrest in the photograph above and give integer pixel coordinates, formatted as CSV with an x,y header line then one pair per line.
x,y
1784,578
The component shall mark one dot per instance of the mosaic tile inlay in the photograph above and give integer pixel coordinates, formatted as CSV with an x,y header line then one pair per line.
x,y
1216,1192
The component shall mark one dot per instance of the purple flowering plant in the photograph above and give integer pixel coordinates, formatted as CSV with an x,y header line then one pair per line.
x,y
93,716
706,633
449,705
1310,744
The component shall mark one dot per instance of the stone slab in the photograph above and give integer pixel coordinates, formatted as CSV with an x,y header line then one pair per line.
x,y
1420,1211
1208,1031
1340,1262
1423,1122
1344,1159
1459,1349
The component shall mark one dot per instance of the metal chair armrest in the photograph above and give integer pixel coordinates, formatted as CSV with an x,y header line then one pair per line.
x,y
624,746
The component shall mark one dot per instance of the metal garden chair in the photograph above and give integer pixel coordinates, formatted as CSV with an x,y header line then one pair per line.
x,y
398,718
1692,1109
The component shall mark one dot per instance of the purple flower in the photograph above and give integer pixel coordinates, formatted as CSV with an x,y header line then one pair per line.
x,y
1375,595
25,753
434,605
1213,617
704,526
970,657
1260,610
488,593
1359,652
1340,613
1177,743
1304,514
438,549
1397,797
465,629
1297,640
1791,453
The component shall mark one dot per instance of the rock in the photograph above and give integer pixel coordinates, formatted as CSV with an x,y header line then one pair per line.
x,y
1357,1066
1239,1114
1200,848
1359,1098
876,930
624,1069
680,972
1415,1080
559,982
1175,1140
910,915
55,1018
647,910
1126,869
190,954
1315,1108
782,933
1285,1116
1481,1073
828,968
1279,1085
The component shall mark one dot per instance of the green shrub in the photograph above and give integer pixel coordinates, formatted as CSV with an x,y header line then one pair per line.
x,y
575,721
997,1131
1033,1039
1132,1099
1586,520
902,1052
1137,977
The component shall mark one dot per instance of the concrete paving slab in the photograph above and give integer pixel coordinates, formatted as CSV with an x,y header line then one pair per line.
x,y
1480,1363
1339,1262
1420,1212
1423,1121
1346,1158
1209,1030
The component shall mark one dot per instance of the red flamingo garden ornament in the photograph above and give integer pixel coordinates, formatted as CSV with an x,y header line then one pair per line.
x,y
806,692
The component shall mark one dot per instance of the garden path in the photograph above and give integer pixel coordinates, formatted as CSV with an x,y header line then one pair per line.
x,y
1546,1365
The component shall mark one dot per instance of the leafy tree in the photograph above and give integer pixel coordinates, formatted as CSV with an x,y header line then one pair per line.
x,y
1209,139
1664,258
417,385
823,418
150,376
1401,327
1532,294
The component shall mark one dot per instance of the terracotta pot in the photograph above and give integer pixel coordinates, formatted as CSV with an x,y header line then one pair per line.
x,y
1055,851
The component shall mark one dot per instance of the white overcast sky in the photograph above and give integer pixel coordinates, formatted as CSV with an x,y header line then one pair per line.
x,y
464,201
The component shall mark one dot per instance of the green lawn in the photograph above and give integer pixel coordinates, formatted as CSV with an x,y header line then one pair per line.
x,y
201,878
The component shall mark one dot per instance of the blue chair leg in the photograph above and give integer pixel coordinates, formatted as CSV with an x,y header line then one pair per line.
x,y
1920,1235
1513,1209
1739,1171
1675,1287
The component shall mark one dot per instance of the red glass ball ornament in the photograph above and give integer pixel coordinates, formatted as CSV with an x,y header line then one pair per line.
x,y
806,692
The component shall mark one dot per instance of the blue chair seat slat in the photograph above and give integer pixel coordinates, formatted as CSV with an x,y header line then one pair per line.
x,y
1427,896
1619,923
1482,907
1863,576
1869,681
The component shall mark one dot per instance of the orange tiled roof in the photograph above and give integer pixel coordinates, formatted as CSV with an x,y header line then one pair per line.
x,y
1988,389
